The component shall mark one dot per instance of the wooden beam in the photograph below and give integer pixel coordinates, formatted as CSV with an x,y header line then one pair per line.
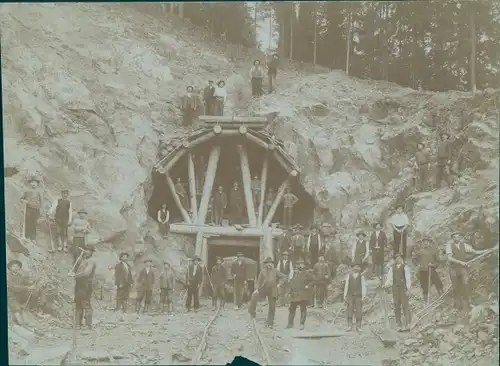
x,y
247,189
288,168
183,211
257,141
263,185
266,247
193,229
233,119
274,206
213,160
192,186
198,249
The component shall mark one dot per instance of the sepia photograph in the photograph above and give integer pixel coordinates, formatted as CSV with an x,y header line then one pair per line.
x,y
251,183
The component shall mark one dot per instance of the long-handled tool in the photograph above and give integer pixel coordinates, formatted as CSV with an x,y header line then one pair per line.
x,y
338,312
429,285
76,262
52,249
23,232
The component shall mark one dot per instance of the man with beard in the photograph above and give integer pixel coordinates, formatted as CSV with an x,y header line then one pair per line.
x,y
84,278
237,203
321,272
301,286
208,97
239,273
268,283
62,211
219,278
123,282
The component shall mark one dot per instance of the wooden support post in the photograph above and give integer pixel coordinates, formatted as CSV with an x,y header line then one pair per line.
x,y
192,187
263,184
247,189
198,249
274,206
267,247
183,211
213,160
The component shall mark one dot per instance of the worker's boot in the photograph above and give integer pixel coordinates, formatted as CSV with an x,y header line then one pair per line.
x,y
349,325
137,307
118,305
358,324
145,309
79,317
302,327
88,318
124,305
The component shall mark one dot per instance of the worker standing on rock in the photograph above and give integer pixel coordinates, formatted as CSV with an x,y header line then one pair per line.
x,y
272,71
399,278
239,273
400,224
190,107
422,161
62,211
301,286
163,219
314,246
457,252
209,98
166,287
426,257
354,294
285,267
321,272
84,278
123,282
219,205
257,76
289,200
378,242
81,228
145,283
33,203
268,283
194,276
297,245
219,279
220,95
443,164
236,203
360,250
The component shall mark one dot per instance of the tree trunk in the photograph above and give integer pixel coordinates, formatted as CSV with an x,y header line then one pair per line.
x,y
270,29
315,35
256,4
348,54
282,39
472,53
292,16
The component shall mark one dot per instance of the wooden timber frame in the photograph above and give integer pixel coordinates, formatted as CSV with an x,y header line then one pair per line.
x,y
259,226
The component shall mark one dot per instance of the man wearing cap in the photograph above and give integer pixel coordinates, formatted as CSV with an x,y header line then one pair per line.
x,y
145,283
62,211
314,246
321,272
354,294
18,289
456,252
399,278
239,274
443,161
289,200
194,277
219,204
84,278
284,266
378,242
33,203
426,256
219,278
123,282
190,106
301,287
297,245
422,161
208,97
81,228
166,287
268,283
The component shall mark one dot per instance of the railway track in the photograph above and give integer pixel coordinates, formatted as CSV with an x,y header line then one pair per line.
x,y
213,327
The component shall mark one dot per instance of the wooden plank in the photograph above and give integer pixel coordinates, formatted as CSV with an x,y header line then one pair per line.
x,y
213,161
181,208
274,206
247,190
256,141
267,358
263,187
192,229
192,186
234,119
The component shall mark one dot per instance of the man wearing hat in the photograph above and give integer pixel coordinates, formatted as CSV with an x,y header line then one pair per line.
x,y
301,287
17,289
81,228
272,70
194,277
297,244
399,278
63,215
257,76
219,278
166,287
284,243
145,283
208,97
456,252
33,202
354,294
426,256
285,267
378,242
400,224
84,279
289,200
123,282
220,95
236,203
239,274
360,250
422,161
314,246
268,283
443,163
190,106
321,271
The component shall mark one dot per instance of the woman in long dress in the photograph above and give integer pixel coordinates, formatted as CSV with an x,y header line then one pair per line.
x,y
400,224
220,95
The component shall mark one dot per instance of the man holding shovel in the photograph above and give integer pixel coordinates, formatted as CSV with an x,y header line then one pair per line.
x,y
426,256
62,211
354,293
399,278
33,202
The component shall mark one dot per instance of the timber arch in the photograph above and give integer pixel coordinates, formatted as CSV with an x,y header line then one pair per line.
x,y
223,151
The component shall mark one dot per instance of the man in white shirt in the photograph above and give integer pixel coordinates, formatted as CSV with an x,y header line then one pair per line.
x,y
456,252
354,293
399,278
